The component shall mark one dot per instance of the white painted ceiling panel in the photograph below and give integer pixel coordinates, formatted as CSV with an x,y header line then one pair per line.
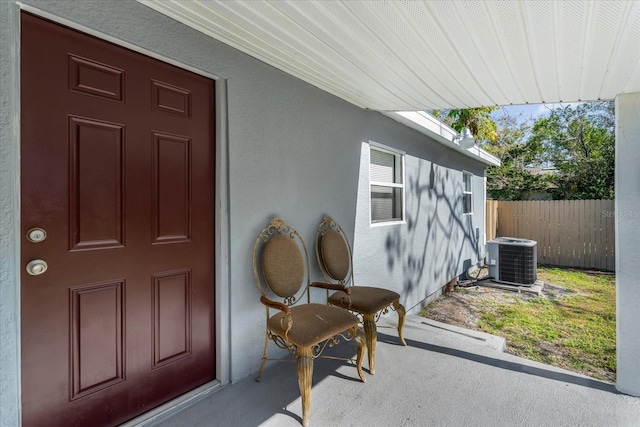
x,y
413,55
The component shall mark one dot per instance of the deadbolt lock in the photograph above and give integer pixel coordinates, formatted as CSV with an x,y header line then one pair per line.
x,y
36,235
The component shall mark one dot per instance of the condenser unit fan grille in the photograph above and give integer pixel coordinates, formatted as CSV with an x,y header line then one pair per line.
x,y
518,264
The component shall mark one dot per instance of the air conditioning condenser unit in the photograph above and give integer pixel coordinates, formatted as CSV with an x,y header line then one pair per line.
x,y
512,261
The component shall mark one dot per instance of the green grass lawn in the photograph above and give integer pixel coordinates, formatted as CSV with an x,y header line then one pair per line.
x,y
572,326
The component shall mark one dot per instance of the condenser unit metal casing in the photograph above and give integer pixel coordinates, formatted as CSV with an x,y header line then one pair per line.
x,y
512,261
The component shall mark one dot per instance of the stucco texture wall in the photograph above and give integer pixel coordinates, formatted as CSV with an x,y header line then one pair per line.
x,y
436,242
9,203
294,151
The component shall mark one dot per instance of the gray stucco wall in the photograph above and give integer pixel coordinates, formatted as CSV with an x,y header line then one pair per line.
x,y
290,150
9,203
436,242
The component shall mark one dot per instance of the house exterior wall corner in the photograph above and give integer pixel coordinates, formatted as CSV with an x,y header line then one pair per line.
x,y
627,242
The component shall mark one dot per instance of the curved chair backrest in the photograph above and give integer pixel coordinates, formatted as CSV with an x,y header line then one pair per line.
x,y
333,252
281,263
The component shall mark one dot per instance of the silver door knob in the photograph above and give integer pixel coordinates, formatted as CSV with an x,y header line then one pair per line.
x,y
37,267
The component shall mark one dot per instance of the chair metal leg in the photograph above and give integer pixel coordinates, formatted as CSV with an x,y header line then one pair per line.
x,y
361,346
401,315
264,357
371,335
304,368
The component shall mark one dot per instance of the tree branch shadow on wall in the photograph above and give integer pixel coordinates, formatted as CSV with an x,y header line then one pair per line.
x,y
430,251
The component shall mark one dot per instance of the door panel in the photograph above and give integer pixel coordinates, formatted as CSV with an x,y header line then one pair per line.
x,y
96,329
96,160
171,188
117,156
172,314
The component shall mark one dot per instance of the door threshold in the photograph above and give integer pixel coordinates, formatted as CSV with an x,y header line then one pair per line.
x,y
174,406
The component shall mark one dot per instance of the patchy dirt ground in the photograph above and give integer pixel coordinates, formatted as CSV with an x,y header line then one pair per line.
x,y
465,306
461,307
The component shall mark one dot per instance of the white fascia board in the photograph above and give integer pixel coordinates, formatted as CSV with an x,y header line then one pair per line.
x,y
428,125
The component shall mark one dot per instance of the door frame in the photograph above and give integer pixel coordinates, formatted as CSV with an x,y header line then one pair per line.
x,y
11,264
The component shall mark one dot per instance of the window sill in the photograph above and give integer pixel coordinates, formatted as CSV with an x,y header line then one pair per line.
x,y
387,223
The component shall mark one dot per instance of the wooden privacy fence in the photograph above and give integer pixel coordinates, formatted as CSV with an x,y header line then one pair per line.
x,y
491,226
570,233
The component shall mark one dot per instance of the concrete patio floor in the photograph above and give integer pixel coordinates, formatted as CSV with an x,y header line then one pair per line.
x,y
446,376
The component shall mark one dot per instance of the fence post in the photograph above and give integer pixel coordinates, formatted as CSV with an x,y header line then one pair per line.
x,y
491,220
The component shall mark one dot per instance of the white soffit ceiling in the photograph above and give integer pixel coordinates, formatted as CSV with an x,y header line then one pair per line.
x,y
423,54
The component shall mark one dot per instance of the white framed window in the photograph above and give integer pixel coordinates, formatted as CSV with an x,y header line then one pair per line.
x,y
467,193
386,177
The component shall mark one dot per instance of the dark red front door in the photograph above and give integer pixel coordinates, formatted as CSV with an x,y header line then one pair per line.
x,y
117,169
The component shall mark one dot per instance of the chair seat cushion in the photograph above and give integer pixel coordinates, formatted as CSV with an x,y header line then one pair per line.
x,y
365,299
313,323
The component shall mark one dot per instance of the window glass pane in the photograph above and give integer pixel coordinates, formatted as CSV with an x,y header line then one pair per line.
x,y
386,203
382,166
466,199
467,182
385,168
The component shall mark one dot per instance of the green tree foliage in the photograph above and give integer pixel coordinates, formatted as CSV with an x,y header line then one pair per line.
x,y
507,140
514,178
577,143
478,120
580,143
